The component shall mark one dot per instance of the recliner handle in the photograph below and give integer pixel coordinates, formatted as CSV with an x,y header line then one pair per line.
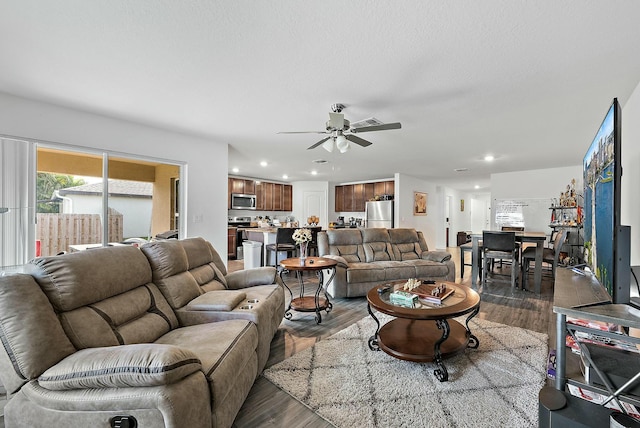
x,y
127,421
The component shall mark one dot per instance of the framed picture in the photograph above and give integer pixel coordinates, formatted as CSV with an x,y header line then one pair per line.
x,y
461,204
419,203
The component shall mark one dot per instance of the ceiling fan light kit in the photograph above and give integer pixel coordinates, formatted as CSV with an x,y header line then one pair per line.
x,y
341,132
329,145
342,143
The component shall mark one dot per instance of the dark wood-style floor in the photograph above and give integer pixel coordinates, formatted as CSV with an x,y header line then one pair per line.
x,y
268,406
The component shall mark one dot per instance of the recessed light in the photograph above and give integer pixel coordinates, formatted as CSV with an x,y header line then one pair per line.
x,y
476,187
285,176
263,163
236,170
314,172
489,158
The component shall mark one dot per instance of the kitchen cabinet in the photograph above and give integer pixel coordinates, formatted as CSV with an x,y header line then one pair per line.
x,y
339,199
353,197
347,201
232,244
358,197
274,197
242,186
277,197
287,196
369,192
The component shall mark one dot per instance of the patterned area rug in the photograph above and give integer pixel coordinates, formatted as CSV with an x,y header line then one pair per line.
x,y
349,385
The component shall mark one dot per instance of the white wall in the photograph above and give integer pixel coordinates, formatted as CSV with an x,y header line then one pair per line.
x,y
136,212
631,171
205,175
543,184
432,225
537,183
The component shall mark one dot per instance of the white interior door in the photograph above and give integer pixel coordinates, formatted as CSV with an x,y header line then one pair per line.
x,y
314,204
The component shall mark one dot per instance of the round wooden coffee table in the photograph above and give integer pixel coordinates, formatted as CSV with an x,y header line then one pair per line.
x,y
314,303
425,332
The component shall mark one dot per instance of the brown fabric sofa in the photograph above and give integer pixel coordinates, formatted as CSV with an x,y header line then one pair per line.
x,y
370,257
90,336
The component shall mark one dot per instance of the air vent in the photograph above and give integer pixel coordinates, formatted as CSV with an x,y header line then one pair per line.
x,y
372,121
320,161
461,169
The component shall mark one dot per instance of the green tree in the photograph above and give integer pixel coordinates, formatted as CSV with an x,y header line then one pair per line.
x,y
46,184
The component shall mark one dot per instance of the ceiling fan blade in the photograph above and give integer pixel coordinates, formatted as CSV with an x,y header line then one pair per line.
x,y
336,120
360,141
383,127
302,132
318,143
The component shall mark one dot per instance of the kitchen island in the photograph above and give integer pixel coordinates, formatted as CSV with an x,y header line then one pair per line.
x,y
266,235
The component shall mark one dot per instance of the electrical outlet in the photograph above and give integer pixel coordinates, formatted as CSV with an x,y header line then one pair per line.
x,y
198,218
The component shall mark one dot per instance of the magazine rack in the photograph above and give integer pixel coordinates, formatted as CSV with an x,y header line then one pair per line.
x,y
580,296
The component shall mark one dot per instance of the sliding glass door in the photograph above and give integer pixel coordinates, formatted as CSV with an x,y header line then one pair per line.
x,y
55,199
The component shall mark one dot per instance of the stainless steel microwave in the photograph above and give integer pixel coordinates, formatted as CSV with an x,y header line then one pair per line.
x,y
241,201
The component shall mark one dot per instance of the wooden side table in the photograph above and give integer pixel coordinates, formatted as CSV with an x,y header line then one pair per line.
x,y
303,303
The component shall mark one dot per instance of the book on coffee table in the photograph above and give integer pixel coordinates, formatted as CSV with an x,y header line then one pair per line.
x,y
424,291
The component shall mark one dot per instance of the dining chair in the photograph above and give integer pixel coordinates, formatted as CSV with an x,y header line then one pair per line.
x,y
518,244
499,246
549,255
284,243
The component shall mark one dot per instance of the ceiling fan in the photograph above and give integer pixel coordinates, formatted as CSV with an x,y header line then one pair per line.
x,y
340,131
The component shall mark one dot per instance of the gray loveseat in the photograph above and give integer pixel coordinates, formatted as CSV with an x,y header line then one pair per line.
x,y
369,257
161,334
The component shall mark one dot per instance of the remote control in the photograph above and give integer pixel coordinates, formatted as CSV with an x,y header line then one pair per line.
x,y
382,290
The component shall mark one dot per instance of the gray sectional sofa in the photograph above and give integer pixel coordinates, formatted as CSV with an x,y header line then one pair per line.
x,y
370,257
161,334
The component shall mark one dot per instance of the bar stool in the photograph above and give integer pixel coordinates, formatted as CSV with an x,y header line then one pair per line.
x,y
284,243
468,248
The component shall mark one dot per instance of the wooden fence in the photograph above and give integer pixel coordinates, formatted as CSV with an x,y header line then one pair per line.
x,y
57,231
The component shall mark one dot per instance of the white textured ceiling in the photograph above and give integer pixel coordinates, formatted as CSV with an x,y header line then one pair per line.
x,y
526,81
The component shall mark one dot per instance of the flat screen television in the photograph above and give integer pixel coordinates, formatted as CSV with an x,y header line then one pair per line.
x,y
606,241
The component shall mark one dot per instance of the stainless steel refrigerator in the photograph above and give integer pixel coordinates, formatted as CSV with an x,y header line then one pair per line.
x,y
379,214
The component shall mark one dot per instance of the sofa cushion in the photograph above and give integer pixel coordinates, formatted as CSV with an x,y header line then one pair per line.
x,y
121,367
200,256
351,253
405,243
430,269
137,316
396,270
221,300
82,278
195,274
30,332
408,251
231,356
365,272
346,243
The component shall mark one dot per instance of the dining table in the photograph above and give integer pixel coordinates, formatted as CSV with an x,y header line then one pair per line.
x,y
523,237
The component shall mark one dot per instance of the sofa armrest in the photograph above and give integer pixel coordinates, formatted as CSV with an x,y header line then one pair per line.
x,y
436,256
341,261
121,367
251,277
